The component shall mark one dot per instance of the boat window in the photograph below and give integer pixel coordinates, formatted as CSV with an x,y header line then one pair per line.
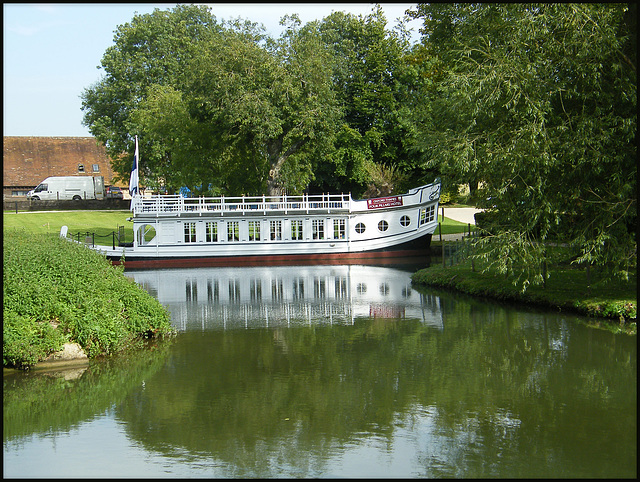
x,y
360,227
255,288
189,232
233,231
212,232
275,229
427,214
213,290
383,225
405,221
296,229
317,228
145,234
234,290
298,288
277,290
339,229
191,290
254,230
340,288
319,288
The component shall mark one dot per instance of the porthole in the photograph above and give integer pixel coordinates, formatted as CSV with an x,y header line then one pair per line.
x,y
405,221
360,227
383,226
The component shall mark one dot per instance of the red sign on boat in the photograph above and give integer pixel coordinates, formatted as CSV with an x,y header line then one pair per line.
x,y
384,202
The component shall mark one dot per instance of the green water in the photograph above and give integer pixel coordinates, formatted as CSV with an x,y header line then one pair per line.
x,y
299,383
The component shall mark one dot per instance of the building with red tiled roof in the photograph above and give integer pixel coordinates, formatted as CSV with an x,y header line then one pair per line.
x,y
27,161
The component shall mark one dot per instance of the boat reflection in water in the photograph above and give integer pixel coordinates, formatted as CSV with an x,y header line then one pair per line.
x,y
252,297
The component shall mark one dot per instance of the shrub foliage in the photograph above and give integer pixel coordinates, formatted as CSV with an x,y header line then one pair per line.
x,y
55,291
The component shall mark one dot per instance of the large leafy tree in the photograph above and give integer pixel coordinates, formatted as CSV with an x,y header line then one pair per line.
x,y
153,49
221,109
372,78
539,103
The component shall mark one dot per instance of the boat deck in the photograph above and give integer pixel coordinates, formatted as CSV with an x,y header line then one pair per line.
x,y
177,205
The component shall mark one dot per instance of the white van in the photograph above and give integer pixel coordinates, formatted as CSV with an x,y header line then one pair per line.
x,y
76,188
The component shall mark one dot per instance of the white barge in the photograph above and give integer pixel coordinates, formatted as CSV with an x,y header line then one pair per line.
x,y
174,231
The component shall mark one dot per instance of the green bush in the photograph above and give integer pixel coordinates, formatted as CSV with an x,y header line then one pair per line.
x,y
26,341
50,281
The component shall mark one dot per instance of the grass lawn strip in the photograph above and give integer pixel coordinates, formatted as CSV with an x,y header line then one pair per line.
x,y
566,289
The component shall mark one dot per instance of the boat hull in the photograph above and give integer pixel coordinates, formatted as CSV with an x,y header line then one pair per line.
x,y
417,248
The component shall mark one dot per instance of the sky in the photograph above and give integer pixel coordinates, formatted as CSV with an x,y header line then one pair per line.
x,y
51,53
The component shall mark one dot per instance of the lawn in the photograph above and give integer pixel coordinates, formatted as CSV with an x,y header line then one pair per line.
x,y
103,223
567,289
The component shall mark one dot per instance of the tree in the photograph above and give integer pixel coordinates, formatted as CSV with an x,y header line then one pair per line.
x,y
155,49
218,108
271,110
539,102
370,77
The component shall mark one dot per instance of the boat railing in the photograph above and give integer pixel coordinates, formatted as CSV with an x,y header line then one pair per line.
x,y
176,204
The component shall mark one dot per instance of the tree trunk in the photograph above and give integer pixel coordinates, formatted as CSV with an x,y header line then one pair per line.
x,y
276,160
473,188
272,184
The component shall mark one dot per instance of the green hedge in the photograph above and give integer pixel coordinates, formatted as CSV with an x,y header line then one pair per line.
x,y
56,291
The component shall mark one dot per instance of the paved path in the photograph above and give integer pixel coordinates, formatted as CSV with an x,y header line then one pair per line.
x,y
463,215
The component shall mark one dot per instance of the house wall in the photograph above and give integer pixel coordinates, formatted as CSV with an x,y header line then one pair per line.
x,y
27,161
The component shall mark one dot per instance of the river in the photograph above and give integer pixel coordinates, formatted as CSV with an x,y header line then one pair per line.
x,y
334,371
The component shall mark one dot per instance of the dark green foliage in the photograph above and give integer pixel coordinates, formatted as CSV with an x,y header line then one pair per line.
x,y
537,110
532,106
26,341
50,282
216,109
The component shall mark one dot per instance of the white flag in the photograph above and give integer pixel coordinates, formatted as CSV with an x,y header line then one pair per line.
x,y
133,180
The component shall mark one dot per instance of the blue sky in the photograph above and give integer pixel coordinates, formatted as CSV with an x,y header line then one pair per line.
x,y
51,53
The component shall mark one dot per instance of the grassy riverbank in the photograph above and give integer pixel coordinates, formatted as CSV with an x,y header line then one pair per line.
x,y
56,292
613,304
103,223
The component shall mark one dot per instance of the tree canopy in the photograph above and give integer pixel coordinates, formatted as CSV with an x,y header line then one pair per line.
x,y
216,109
533,106
538,104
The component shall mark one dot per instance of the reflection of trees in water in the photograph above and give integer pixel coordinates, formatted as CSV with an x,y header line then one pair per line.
x,y
497,384
49,401
489,392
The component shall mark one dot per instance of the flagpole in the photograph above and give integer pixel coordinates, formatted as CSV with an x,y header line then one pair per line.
x,y
133,180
